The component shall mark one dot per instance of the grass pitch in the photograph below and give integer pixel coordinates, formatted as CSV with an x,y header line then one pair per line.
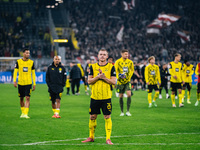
x,y
163,127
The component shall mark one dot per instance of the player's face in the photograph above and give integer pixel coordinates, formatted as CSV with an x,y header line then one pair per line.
x,y
102,56
164,66
124,55
178,58
152,61
110,60
26,54
56,60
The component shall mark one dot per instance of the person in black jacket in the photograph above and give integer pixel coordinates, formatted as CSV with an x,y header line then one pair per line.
x,y
143,76
164,79
75,77
56,79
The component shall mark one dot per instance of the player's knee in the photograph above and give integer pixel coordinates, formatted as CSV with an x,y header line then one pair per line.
x,y
93,117
106,116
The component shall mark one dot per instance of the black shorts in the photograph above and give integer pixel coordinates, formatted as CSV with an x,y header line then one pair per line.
x,y
54,96
104,105
24,90
151,87
83,79
123,87
135,77
163,83
175,86
198,86
188,86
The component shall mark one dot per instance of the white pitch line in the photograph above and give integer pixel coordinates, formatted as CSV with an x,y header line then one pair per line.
x,y
77,139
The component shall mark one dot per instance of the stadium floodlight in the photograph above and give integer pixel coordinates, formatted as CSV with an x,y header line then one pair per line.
x,y
48,6
56,4
52,6
58,0
60,40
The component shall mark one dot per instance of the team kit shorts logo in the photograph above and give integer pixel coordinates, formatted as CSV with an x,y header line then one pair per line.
x,y
25,69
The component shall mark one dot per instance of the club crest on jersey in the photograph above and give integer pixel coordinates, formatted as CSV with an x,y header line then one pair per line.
x,y
177,69
25,69
60,70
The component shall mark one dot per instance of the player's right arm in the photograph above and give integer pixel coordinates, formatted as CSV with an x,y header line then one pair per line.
x,y
171,71
16,70
146,75
197,70
91,79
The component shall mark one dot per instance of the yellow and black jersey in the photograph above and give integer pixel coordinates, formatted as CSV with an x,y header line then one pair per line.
x,y
26,71
100,89
124,67
81,68
187,73
175,69
152,74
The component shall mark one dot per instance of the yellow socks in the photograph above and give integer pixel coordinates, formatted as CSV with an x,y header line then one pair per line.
x,y
198,96
155,96
108,127
149,98
57,111
188,95
26,110
180,98
54,111
85,88
173,99
22,109
92,126
183,94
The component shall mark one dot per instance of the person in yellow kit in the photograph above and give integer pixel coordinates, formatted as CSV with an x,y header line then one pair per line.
x,y
188,70
197,72
67,84
152,78
101,76
83,77
124,70
175,70
26,69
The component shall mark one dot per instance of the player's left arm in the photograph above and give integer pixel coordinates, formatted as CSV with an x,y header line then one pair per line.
x,y
112,79
131,71
15,74
158,75
33,76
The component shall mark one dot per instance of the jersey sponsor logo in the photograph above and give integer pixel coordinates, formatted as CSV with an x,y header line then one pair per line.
x,y
187,71
125,69
153,72
25,69
177,69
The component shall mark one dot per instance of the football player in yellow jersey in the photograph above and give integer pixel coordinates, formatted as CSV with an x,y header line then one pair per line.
x,y
101,76
197,72
25,68
188,70
175,70
124,70
152,78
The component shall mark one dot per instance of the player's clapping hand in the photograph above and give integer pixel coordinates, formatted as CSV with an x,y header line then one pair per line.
x,y
34,88
175,77
15,84
122,76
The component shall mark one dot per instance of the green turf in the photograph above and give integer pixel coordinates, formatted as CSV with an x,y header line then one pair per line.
x,y
163,127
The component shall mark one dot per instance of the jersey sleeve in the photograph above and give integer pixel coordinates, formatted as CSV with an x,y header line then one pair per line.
x,y
158,75
131,71
17,65
33,76
197,70
33,67
171,70
113,73
146,74
15,72
91,71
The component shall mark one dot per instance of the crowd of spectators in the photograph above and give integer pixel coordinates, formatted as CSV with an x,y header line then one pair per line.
x,y
96,24
18,31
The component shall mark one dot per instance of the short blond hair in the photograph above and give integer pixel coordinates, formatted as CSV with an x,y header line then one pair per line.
x,y
150,58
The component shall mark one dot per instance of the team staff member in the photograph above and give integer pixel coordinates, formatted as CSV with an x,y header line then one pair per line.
x,y
101,76
152,77
124,70
26,70
164,79
56,79
197,72
188,70
176,80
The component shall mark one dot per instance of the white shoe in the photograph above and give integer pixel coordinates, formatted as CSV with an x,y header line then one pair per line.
x,y
176,97
160,96
188,101
125,95
26,116
174,105
167,96
22,115
117,94
197,103
154,104
128,113
150,105
181,105
122,114
88,88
